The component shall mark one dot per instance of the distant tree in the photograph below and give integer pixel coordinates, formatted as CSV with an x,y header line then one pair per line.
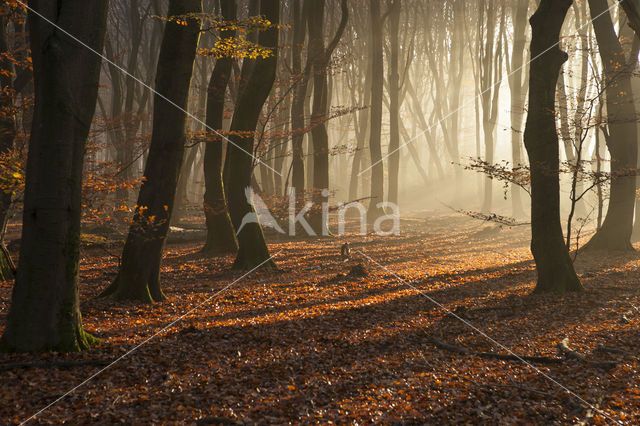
x,y
377,84
301,78
553,263
252,248
139,274
221,236
45,313
395,8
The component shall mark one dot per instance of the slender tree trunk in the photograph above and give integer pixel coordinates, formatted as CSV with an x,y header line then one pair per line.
x,y
221,237
8,133
139,275
554,266
615,233
516,86
299,95
320,57
377,84
45,313
394,101
252,250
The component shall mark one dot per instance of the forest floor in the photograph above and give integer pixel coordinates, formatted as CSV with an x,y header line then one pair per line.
x,y
323,340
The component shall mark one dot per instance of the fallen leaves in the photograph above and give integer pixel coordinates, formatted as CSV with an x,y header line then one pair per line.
x,y
303,346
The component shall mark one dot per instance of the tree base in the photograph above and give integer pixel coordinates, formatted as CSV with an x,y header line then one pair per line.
x,y
603,241
131,290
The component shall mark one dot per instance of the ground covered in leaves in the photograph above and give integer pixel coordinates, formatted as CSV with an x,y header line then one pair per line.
x,y
409,336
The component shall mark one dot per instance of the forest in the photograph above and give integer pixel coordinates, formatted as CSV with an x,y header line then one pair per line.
x,y
320,211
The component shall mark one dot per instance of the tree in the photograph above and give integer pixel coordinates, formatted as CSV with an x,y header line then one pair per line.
x,y
139,275
375,120
554,266
45,313
515,69
221,236
252,248
320,57
615,233
299,94
394,100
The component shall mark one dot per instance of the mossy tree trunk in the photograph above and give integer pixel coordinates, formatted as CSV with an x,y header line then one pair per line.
x,y
139,275
221,237
615,233
252,247
554,266
44,313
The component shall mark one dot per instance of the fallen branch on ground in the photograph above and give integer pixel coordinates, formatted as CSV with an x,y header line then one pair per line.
x,y
494,355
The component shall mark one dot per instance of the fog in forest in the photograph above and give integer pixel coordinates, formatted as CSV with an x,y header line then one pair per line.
x,y
319,211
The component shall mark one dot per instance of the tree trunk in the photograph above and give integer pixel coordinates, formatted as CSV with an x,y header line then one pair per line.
x,y
252,248
554,266
8,133
320,57
45,313
394,101
299,95
615,233
221,237
377,84
139,275
516,87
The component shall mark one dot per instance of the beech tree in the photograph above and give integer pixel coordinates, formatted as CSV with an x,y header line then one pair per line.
x,y
615,233
553,264
252,248
45,313
320,57
139,274
221,236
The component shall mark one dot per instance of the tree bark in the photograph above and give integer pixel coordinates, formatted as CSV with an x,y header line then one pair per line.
x,y
45,313
221,237
320,57
554,266
299,95
8,133
252,248
615,233
139,275
394,100
375,120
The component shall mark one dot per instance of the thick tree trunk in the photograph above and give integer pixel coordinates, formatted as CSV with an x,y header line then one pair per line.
x,y
615,233
252,248
554,266
139,275
45,313
221,237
